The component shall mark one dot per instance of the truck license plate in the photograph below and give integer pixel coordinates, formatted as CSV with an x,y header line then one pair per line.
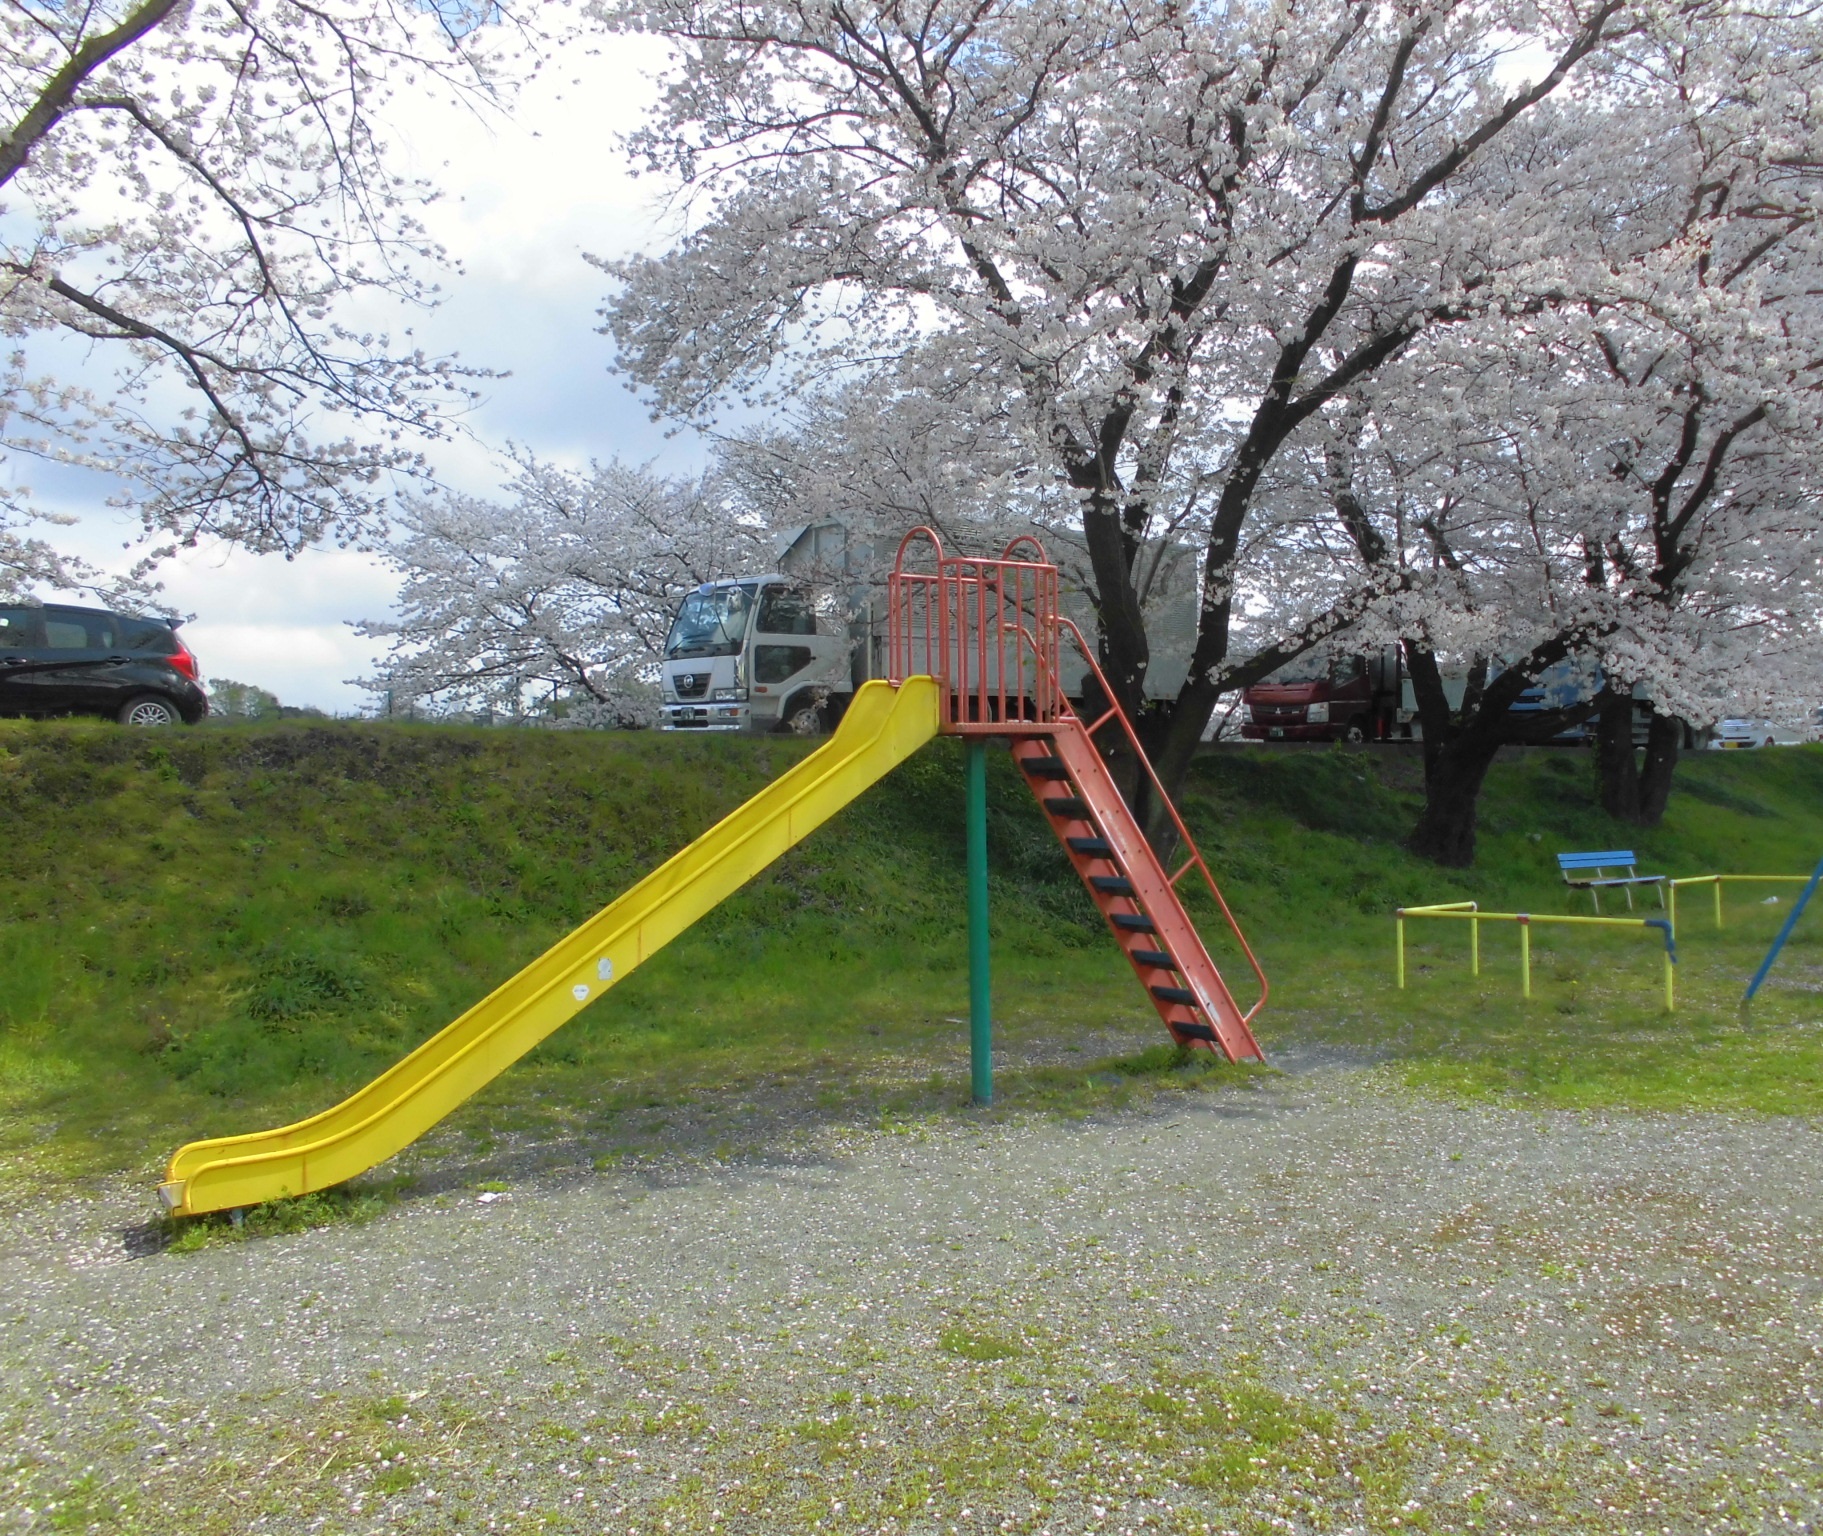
x,y
1275,731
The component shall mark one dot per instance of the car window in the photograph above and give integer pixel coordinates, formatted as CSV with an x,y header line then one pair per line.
x,y
71,629
784,612
18,627
146,635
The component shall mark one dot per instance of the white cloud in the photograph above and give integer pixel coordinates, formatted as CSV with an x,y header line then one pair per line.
x,y
282,624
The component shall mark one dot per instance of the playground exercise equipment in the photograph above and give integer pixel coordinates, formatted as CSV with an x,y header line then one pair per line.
x,y
974,647
1468,911
1718,881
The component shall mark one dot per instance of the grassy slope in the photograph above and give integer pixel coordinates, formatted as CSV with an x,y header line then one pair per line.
x,y
203,932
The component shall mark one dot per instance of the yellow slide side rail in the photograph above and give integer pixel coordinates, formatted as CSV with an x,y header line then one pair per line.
x,y
882,727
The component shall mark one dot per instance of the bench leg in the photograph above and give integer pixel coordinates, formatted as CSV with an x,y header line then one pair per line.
x,y
1629,890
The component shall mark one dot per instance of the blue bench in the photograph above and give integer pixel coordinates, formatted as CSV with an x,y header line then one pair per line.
x,y
1589,872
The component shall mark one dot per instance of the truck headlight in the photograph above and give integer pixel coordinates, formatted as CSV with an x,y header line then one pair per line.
x,y
730,695
1318,714
1247,717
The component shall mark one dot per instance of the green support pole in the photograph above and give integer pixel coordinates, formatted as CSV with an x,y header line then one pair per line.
x,y
980,998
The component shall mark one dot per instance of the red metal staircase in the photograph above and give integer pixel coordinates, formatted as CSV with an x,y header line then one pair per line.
x,y
990,630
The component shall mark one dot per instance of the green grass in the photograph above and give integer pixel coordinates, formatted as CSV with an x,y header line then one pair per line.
x,y
210,932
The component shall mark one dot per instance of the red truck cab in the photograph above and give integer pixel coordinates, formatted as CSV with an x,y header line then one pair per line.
x,y
1325,698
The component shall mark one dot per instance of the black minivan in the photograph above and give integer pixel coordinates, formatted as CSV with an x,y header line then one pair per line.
x,y
56,660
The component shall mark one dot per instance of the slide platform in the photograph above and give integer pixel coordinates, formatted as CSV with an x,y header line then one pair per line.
x,y
884,725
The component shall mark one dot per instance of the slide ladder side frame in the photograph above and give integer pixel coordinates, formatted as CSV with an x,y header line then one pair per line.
x,y
1210,997
1136,897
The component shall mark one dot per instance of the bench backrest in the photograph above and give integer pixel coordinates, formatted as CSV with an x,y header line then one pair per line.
x,y
1614,858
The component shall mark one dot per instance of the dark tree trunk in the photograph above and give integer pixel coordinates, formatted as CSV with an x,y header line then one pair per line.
x,y
1456,760
1445,833
1460,744
1631,792
1663,740
1615,763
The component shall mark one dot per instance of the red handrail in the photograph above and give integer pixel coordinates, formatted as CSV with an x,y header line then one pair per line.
x,y
1115,711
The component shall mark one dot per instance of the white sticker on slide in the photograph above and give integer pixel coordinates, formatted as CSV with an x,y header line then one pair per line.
x,y
580,991
604,968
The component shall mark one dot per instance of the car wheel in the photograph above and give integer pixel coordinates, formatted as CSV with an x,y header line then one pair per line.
x,y
147,709
1769,742
1355,734
803,718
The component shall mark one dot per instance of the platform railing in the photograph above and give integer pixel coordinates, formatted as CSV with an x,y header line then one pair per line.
x,y
952,622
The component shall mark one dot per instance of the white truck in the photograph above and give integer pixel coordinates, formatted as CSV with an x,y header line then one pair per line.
x,y
786,651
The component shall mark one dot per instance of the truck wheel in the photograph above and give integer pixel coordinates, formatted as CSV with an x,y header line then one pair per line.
x,y
1355,733
802,717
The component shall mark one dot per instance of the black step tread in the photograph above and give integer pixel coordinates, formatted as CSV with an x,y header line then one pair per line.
x,y
1094,847
1067,805
1174,995
1045,767
1194,1031
1155,957
1133,922
1112,885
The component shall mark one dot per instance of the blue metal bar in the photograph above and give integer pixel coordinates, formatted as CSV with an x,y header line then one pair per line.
x,y
1791,921
1663,924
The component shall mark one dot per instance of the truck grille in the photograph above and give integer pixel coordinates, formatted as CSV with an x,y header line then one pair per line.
x,y
690,685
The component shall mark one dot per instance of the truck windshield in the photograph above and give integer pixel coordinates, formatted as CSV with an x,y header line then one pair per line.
x,y
1306,669
711,623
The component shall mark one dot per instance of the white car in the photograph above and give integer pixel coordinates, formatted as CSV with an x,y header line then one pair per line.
x,y
1738,733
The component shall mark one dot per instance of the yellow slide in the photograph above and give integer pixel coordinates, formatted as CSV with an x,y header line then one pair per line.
x,y
883,726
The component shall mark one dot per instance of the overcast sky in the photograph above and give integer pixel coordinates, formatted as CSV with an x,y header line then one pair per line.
x,y
524,199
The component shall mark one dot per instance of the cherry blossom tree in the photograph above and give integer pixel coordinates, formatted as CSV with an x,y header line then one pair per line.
x,y
206,235
564,593
1162,241
1704,344
1629,477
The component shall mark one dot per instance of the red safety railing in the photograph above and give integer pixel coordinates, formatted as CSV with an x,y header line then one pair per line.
x,y
1194,859
962,623
991,632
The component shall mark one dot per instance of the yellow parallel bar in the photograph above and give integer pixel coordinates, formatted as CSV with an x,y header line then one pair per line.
x,y
1447,906
1529,917
883,726
1717,881
1467,911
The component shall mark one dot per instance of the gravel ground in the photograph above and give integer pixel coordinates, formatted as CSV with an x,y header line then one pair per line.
x,y
1317,1304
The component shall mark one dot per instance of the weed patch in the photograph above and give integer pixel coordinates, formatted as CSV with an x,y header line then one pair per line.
x,y
352,1204
980,1347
